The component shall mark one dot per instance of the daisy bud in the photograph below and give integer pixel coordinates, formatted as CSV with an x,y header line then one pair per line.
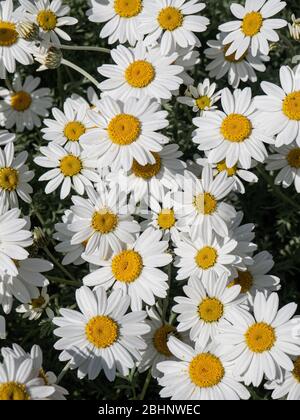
x,y
50,58
39,238
28,31
294,28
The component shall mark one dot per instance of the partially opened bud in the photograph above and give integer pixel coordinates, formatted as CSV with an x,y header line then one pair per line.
x,y
28,31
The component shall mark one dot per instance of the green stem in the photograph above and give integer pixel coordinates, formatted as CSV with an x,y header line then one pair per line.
x,y
60,280
59,265
63,372
81,71
81,48
146,385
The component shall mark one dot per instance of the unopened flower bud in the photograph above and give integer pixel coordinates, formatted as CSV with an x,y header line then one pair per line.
x,y
28,31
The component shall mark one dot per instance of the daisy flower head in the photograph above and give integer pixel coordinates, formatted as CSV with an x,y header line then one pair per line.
x,y
201,98
5,136
140,71
124,132
102,222
256,278
253,29
200,202
262,343
101,335
14,238
242,69
235,172
24,106
67,170
286,159
2,328
204,306
288,387
49,16
234,134
207,257
38,304
280,106
19,380
25,283
63,234
13,47
199,373
135,270
173,23
14,176
121,18
68,127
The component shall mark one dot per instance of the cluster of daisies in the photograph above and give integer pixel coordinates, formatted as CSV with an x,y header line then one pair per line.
x,y
139,217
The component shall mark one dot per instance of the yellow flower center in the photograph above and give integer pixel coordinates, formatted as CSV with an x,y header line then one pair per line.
x,y
124,129
252,23
161,337
206,370
170,18
296,370
221,166
128,8
211,310
140,74
205,203
231,58
244,279
74,130
47,20
42,375
38,302
236,128
127,266
9,179
20,101
203,102
166,219
293,158
104,221
291,106
206,257
70,165
102,331
13,391
260,337
148,171
8,34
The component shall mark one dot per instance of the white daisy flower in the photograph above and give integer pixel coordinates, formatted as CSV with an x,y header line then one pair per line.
x,y
19,381
75,170
234,134
256,278
172,22
38,304
204,307
201,98
206,257
122,19
163,217
127,131
24,106
237,173
289,387
5,136
261,344
68,127
280,107
199,203
63,234
50,16
14,176
134,270
102,335
13,239
2,328
200,373
254,29
36,355
23,285
140,72
286,159
239,70
156,340
102,222
12,47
